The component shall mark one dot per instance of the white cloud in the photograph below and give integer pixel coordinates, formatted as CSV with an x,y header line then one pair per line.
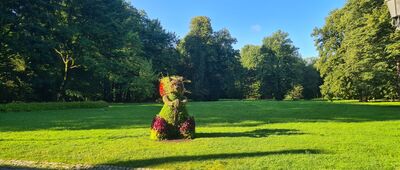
x,y
256,28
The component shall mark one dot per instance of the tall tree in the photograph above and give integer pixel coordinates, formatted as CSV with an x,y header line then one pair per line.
x,y
210,61
281,70
199,57
311,80
159,46
355,55
251,60
228,69
27,71
276,66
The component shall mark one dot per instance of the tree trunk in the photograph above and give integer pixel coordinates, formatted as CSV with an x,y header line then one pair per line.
x,y
61,92
364,96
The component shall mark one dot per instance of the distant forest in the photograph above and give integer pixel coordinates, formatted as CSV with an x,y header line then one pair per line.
x,y
71,50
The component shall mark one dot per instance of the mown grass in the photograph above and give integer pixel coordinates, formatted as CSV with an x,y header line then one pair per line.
x,y
230,135
20,107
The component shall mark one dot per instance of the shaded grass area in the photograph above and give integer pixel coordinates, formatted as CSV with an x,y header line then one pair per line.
x,y
10,167
27,107
177,159
230,134
163,160
258,133
210,114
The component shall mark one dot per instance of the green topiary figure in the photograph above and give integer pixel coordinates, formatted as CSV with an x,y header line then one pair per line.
x,y
173,121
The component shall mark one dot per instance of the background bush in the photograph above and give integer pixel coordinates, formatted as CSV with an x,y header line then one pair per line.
x,y
295,93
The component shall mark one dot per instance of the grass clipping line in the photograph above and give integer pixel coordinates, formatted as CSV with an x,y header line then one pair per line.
x,y
52,165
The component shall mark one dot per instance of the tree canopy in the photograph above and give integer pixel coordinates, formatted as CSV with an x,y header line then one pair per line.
x,y
275,67
358,52
209,61
70,50
80,50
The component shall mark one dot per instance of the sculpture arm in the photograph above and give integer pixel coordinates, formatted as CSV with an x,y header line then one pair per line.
x,y
167,101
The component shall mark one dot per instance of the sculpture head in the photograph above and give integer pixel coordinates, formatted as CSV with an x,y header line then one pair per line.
x,y
172,85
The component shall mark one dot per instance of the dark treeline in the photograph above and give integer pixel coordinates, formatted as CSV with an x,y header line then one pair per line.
x,y
70,50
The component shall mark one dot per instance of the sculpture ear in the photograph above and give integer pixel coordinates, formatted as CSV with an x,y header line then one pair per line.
x,y
161,75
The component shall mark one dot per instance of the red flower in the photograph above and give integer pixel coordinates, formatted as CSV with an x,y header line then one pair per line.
x,y
159,124
188,126
161,88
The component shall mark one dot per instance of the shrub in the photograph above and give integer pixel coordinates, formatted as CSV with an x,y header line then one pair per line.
x,y
253,91
295,93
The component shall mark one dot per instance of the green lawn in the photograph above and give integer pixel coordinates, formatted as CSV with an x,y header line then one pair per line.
x,y
230,135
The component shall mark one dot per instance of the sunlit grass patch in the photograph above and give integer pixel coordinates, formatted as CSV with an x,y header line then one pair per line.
x,y
230,135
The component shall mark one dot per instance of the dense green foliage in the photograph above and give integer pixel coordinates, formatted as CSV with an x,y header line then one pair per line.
x,y
210,61
359,51
26,107
230,135
80,50
295,93
87,50
275,67
70,50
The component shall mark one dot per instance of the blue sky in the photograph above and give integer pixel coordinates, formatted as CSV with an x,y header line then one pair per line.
x,y
248,21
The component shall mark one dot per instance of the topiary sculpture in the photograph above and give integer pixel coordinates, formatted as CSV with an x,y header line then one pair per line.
x,y
173,121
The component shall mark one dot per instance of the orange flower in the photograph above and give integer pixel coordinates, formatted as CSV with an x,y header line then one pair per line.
x,y
161,88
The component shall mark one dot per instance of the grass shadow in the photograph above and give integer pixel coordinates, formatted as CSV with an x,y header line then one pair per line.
x,y
118,117
110,137
174,159
256,113
258,133
9,167
207,114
